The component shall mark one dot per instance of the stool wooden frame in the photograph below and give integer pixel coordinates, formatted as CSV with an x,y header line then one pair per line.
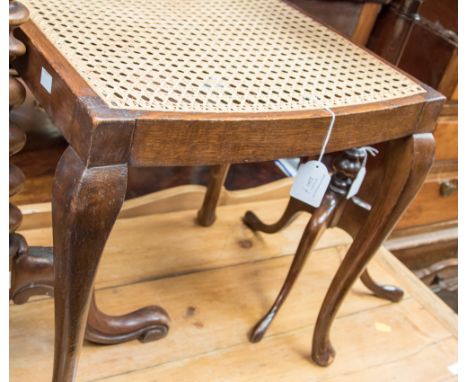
x,y
91,177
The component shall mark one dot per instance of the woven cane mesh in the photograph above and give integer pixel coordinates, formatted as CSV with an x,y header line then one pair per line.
x,y
213,56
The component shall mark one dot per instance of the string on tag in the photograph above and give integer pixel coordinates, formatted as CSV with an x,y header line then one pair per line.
x,y
369,150
330,129
313,178
357,182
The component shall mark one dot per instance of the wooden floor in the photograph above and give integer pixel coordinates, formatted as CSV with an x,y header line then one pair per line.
x,y
215,283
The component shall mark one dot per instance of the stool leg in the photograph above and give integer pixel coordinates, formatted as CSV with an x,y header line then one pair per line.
x,y
147,324
350,222
207,214
85,204
293,208
388,292
311,235
406,164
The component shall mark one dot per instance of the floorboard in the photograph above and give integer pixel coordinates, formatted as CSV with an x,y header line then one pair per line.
x,y
215,283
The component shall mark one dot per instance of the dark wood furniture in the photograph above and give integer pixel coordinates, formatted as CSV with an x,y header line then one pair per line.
x,y
421,37
31,268
18,248
355,19
77,77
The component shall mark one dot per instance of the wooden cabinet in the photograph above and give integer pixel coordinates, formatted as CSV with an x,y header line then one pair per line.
x,y
420,36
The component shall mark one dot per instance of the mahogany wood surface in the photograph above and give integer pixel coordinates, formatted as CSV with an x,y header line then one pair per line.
x,y
91,178
33,275
328,214
200,138
407,163
206,216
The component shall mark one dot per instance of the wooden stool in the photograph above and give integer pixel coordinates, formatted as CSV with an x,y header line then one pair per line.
x,y
206,82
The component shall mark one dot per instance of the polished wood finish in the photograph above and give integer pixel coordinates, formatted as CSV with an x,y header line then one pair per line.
x,y
91,177
33,275
406,164
312,233
409,35
191,139
32,271
432,206
355,19
346,167
446,136
18,248
147,324
420,36
214,320
206,216
88,201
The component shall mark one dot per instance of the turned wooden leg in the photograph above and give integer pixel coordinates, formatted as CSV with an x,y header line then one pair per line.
x,y
207,214
311,235
406,164
85,204
18,14
33,274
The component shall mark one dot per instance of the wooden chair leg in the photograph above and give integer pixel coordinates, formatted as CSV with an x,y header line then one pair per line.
x,y
311,235
388,292
146,324
85,204
406,164
292,210
33,274
207,214
351,222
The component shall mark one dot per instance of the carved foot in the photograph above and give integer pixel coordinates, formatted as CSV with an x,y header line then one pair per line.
x,y
388,292
32,274
31,271
150,323
407,161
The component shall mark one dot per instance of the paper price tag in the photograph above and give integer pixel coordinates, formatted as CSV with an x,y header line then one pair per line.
x,y
354,189
311,183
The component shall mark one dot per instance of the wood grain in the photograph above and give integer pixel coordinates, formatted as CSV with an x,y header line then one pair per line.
x,y
238,247
215,321
430,206
446,136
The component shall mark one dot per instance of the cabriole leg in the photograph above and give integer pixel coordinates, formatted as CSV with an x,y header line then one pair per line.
x,y
407,163
85,204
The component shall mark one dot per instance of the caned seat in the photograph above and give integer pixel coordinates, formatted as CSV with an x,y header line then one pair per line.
x,y
213,56
202,75
185,82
